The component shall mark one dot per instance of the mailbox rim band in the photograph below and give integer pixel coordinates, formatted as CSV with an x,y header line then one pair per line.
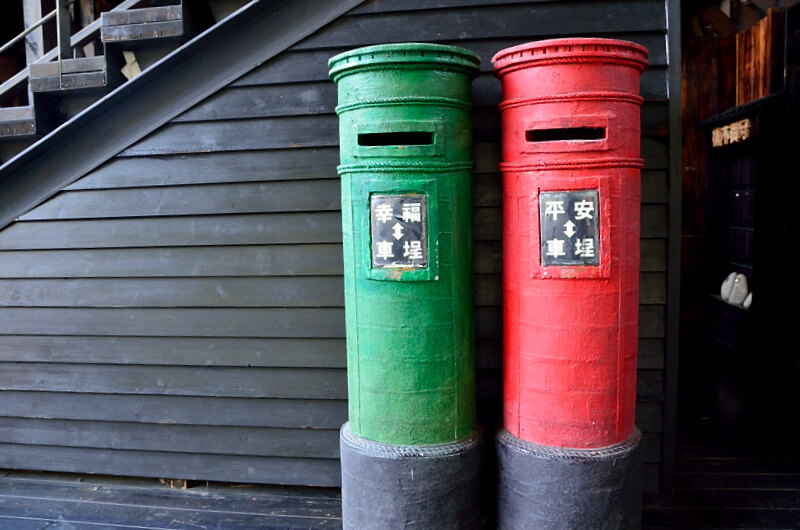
x,y
406,166
404,55
388,450
569,453
554,51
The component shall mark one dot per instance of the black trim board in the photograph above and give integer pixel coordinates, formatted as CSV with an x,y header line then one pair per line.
x,y
674,252
254,34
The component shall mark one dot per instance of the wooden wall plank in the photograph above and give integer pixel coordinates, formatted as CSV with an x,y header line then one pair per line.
x,y
650,416
487,257
239,135
655,153
168,262
654,221
488,290
487,189
489,354
650,385
243,441
491,20
175,351
240,198
652,288
488,323
289,383
651,354
211,168
265,101
487,224
388,6
655,187
171,409
278,228
175,292
230,468
651,321
653,255
183,322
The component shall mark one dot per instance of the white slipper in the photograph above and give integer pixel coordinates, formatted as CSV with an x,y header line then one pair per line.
x,y
739,291
727,285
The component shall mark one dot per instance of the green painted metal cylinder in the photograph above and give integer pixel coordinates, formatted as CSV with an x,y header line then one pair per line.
x,y
405,124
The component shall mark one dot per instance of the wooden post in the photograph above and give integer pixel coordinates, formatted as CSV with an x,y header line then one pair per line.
x,y
85,17
34,41
64,28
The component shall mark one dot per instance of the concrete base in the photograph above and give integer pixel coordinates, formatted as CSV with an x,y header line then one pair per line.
x,y
553,488
388,486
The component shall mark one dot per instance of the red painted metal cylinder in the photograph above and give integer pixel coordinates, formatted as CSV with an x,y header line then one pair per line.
x,y
571,170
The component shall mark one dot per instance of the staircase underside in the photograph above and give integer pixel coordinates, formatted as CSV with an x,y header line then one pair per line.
x,y
132,39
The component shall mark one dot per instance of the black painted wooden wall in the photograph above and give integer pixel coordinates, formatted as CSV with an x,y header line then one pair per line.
x,y
178,312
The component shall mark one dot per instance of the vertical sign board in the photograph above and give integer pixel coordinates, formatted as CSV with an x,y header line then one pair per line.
x,y
398,229
570,227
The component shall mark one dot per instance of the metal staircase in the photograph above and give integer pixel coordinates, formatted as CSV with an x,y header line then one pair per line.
x,y
60,84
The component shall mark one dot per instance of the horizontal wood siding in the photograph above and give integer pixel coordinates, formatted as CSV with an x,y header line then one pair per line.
x,y
178,311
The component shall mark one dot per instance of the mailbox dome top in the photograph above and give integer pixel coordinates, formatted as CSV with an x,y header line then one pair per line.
x,y
571,50
404,55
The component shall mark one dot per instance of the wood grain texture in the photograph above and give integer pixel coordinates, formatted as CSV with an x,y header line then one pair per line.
x,y
212,168
239,135
257,229
175,351
242,441
180,322
172,409
175,292
288,383
197,466
491,20
178,262
279,196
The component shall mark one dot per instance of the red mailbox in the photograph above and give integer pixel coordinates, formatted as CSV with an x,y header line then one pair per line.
x,y
570,167
571,199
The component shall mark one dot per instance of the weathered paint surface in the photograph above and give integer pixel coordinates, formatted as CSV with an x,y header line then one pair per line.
x,y
570,116
406,129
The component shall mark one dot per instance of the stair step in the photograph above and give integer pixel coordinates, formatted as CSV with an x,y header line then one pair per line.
x,y
80,73
142,24
17,122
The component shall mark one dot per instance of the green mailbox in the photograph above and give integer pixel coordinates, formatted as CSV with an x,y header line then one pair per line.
x,y
405,127
406,158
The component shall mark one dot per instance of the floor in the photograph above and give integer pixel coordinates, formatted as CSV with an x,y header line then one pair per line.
x,y
41,501
738,464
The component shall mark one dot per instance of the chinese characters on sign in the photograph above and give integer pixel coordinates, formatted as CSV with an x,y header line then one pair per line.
x,y
398,227
570,227
737,131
